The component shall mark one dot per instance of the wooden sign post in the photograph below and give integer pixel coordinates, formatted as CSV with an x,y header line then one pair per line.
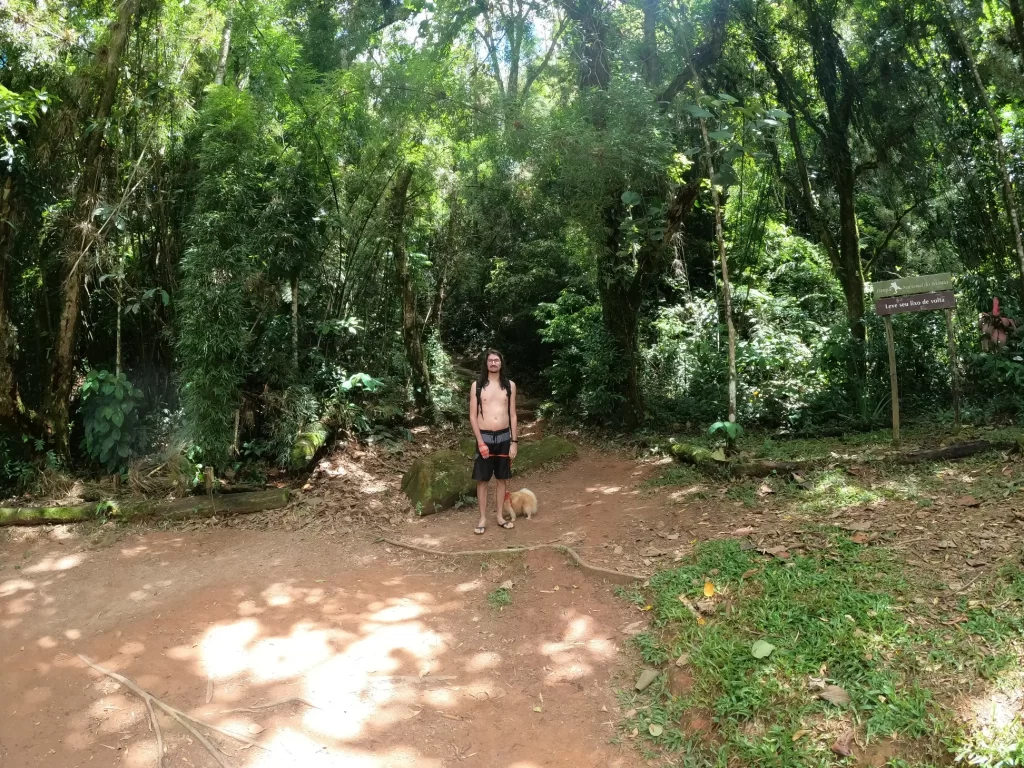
x,y
916,294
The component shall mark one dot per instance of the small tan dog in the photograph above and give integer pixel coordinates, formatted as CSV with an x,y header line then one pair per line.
x,y
523,502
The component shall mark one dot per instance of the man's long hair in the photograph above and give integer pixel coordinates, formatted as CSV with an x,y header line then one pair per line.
x,y
484,378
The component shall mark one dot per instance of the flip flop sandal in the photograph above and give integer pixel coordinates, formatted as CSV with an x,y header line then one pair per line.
x,y
506,525
479,529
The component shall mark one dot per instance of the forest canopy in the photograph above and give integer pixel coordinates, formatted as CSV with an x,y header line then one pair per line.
x,y
229,229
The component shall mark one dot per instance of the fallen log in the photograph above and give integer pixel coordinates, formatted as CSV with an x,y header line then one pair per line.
x,y
694,454
703,458
950,452
765,468
144,509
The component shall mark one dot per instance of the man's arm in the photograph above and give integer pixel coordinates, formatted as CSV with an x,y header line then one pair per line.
x,y
473,421
513,422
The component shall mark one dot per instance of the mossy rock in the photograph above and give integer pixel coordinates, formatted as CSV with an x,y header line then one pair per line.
x,y
310,440
438,480
543,452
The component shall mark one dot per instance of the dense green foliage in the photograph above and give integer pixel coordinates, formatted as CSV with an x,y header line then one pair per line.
x,y
286,195
110,416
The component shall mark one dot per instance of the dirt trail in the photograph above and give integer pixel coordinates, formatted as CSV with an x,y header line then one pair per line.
x,y
405,659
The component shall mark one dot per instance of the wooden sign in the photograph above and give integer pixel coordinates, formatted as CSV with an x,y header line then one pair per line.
x,y
918,302
912,285
916,294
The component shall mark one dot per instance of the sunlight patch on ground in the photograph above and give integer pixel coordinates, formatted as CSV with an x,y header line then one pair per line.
x,y
607,490
370,677
50,564
291,748
483,660
13,586
572,656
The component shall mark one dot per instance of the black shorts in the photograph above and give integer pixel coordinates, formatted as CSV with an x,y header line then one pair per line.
x,y
497,465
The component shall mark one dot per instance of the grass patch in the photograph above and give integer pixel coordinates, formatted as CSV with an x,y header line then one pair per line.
x,y
499,598
834,615
844,613
677,475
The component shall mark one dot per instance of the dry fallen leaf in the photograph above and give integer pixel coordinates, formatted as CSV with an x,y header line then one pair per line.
x,y
655,730
709,589
843,745
683,660
764,490
506,584
780,552
835,695
537,709
745,531
647,677
861,526
633,629
254,728
799,735
967,501
863,538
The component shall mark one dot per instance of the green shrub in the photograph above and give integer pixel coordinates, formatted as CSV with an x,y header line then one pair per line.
x,y
110,416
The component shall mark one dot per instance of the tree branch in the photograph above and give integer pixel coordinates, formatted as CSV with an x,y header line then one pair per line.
x,y
535,71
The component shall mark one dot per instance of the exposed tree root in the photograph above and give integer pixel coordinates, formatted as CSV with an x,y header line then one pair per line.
x,y
189,723
616,577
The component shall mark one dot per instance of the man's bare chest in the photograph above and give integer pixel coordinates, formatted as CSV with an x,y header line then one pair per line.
x,y
493,399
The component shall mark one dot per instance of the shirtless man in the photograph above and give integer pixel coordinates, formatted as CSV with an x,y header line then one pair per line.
x,y
492,413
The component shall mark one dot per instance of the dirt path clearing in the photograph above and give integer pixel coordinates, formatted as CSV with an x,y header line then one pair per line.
x,y
403,655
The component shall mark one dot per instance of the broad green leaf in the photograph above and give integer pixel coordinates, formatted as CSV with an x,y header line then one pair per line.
x,y
723,134
761,649
655,730
697,111
631,198
725,177
118,418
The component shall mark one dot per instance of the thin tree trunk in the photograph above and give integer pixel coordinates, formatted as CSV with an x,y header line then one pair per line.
x,y
295,323
724,265
225,50
117,343
8,333
411,331
997,130
80,236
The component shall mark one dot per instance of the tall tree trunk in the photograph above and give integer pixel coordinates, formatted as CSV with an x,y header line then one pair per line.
x,y
620,312
225,50
649,50
80,236
848,268
1009,195
8,333
1017,12
724,265
412,334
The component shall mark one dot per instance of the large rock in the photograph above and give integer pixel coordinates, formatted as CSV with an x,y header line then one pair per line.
x,y
438,480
